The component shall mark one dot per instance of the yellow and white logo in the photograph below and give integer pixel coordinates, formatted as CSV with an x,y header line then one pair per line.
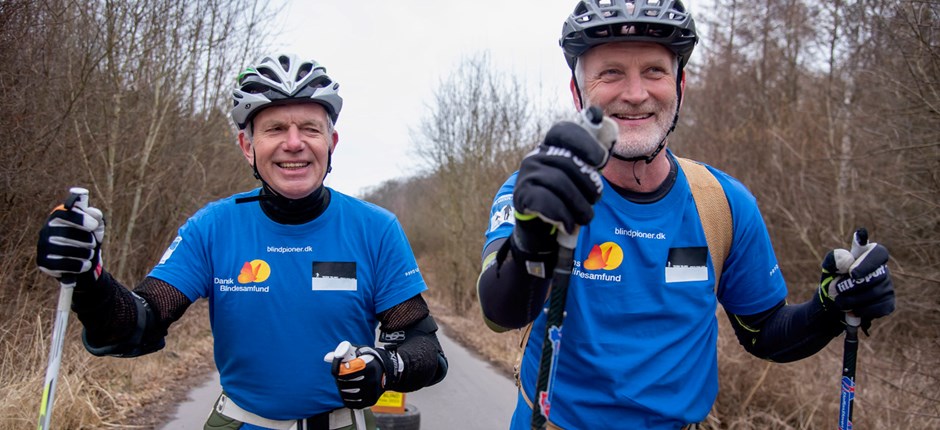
x,y
254,271
606,256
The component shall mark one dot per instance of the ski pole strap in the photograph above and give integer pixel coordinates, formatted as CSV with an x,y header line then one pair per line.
x,y
335,419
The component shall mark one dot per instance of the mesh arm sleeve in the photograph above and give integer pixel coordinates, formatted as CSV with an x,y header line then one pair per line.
x,y
108,310
420,350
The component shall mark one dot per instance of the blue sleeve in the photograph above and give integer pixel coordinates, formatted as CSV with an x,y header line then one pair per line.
x,y
501,213
185,263
751,281
397,274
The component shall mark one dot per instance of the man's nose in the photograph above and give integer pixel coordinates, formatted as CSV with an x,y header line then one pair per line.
x,y
293,141
633,90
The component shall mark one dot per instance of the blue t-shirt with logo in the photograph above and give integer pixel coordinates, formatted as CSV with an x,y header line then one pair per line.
x,y
282,296
638,346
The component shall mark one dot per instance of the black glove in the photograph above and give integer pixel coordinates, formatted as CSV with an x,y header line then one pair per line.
x,y
363,379
557,185
859,281
559,181
70,242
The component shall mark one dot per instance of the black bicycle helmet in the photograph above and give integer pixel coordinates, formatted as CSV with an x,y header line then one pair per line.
x,y
595,22
280,79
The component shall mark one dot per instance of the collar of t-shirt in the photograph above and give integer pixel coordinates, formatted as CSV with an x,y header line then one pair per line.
x,y
658,193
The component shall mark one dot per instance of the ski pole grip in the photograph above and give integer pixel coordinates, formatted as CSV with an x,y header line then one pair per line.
x,y
604,129
78,196
859,240
568,240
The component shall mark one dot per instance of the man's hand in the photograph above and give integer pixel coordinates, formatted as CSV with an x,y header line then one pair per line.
x,y
859,281
557,186
70,242
363,373
560,181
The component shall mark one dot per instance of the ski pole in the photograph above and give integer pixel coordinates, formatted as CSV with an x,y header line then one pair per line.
x,y
850,346
77,196
345,350
604,131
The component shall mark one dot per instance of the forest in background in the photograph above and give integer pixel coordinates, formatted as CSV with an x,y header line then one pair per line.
x,y
828,112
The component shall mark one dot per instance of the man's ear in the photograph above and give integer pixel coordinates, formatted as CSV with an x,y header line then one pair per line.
x,y
335,140
575,95
244,142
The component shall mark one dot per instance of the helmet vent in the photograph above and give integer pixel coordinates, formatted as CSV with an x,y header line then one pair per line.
x,y
610,13
268,73
652,2
304,71
651,12
284,61
254,88
599,32
320,82
604,3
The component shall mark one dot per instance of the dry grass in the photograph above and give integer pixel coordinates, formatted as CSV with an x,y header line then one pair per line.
x,y
92,392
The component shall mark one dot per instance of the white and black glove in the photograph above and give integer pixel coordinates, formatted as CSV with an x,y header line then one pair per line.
x,y
858,281
557,186
363,373
70,242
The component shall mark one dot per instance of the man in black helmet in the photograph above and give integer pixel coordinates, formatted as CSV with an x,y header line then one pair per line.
x,y
295,273
637,349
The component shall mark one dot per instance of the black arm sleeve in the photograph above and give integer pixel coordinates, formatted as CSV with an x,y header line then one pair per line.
x,y
509,296
787,333
414,332
111,314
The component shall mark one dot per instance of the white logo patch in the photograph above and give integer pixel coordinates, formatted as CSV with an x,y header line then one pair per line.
x,y
170,249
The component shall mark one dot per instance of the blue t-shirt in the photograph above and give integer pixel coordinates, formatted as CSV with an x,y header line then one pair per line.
x,y
282,296
639,342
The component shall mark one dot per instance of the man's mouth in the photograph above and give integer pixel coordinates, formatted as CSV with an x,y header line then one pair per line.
x,y
293,165
631,117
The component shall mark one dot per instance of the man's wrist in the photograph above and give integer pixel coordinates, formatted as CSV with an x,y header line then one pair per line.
x,y
534,245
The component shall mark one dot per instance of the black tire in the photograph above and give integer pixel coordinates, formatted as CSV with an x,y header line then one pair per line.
x,y
410,420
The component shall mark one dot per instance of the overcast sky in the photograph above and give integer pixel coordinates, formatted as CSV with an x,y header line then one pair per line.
x,y
390,56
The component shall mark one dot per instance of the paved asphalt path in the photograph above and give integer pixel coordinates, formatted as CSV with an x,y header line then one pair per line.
x,y
473,396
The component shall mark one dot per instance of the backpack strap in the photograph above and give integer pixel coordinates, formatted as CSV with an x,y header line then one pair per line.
x,y
713,211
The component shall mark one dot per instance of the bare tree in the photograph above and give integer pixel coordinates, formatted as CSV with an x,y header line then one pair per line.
x,y
479,126
129,99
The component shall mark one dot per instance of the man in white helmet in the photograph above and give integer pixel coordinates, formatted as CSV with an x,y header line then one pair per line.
x,y
637,348
291,270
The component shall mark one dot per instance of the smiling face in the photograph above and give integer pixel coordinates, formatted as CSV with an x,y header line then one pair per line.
x,y
290,147
635,84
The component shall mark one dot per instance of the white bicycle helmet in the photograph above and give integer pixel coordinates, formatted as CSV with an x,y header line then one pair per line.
x,y
282,79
